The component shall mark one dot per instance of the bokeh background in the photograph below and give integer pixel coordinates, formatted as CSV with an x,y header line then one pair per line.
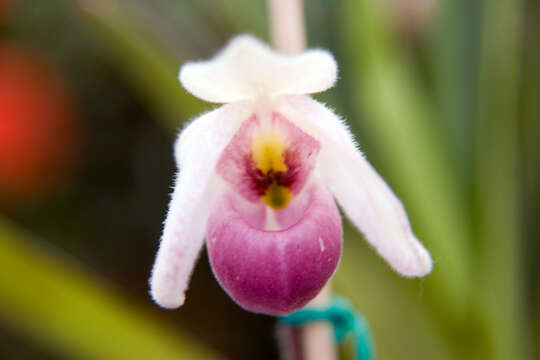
x,y
443,96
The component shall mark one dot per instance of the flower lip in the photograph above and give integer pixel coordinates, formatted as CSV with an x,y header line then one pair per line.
x,y
275,272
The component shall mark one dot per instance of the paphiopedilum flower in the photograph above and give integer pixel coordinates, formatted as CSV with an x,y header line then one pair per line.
x,y
258,177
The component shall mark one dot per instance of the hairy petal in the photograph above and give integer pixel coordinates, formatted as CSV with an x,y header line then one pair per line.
x,y
197,151
246,69
364,196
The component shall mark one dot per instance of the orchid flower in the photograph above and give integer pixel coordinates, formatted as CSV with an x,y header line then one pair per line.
x,y
258,177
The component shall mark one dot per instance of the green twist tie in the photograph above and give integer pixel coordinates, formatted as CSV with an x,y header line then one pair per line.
x,y
343,318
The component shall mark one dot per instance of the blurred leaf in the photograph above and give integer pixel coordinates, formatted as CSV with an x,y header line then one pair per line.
x,y
168,20
454,66
151,70
530,143
398,319
246,16
499,294
399,120
60,305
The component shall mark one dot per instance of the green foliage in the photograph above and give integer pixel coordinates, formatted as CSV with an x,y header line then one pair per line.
x,y
451,118
63,306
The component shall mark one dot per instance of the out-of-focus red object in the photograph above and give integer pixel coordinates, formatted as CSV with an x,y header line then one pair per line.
x,y
37,132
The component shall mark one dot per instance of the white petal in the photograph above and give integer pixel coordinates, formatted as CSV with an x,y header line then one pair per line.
x,y
249,69
364,196
197,151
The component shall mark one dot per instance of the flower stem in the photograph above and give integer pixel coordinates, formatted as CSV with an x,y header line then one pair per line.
x,y
314,341
318,338
287,27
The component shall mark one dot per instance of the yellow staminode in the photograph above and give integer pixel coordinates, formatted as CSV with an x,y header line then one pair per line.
x,y
267,150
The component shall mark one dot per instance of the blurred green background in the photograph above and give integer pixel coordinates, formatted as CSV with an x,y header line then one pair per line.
x,y
443,96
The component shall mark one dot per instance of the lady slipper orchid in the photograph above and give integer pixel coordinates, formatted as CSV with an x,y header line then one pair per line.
x,y
258,178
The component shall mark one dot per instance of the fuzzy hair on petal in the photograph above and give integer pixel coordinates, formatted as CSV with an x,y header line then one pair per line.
x,y
364,196
197,150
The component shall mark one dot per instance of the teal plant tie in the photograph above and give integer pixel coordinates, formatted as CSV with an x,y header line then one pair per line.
x,y
343,318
